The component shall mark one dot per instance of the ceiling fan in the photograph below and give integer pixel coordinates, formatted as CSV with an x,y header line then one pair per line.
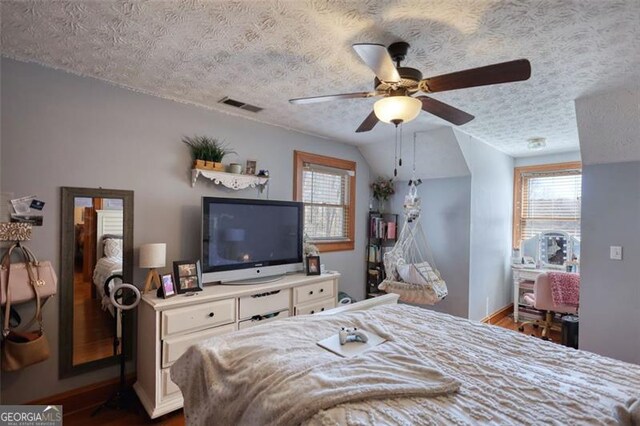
x,y
397,86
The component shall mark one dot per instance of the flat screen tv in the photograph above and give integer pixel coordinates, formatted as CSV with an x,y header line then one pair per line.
x,y
246,240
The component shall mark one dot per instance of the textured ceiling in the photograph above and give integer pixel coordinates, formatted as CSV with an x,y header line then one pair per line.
x,y
265,52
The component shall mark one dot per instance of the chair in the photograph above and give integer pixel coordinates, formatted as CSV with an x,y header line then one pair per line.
x,y
542,300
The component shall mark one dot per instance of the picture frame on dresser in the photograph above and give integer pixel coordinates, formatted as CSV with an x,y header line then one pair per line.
x,y
168,288
188,276
313,265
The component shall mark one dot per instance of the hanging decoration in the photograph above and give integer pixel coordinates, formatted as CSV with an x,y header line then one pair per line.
x,y
409,265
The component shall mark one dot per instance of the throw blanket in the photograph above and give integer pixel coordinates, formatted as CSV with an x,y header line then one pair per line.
x,y
281,377
629,413
565,288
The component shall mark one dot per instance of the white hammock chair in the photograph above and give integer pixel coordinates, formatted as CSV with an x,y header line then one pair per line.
x,y
409,266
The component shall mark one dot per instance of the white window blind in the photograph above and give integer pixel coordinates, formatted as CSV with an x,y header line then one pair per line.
x,y
325,194
551,201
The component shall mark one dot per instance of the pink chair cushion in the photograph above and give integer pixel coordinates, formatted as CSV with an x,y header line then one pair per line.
x,y
543,299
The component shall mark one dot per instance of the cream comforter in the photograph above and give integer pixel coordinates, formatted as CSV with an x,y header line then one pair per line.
x,y
277,374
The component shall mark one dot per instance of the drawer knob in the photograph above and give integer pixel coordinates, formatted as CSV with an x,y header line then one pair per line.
x,y
322,310
322,290
311,292
211,314
313,312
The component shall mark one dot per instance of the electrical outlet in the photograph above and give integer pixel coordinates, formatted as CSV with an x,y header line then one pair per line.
x,y
615,252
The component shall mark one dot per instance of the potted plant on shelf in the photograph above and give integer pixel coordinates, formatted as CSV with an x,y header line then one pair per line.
x,y
382,188
207,152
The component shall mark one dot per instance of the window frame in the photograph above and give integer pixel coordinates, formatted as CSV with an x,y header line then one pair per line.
x,y
517,191
299,159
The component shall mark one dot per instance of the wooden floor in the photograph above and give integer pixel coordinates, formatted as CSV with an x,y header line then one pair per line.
x,y
110,417
507,322
138,416
93,328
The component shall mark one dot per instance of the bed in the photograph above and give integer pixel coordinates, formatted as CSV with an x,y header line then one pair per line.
x,y
471,373
109,226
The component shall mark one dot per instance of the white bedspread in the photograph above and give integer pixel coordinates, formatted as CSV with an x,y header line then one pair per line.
x,y
506,377
105,267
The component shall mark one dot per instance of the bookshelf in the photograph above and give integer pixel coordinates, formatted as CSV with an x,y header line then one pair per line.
x,y
382,233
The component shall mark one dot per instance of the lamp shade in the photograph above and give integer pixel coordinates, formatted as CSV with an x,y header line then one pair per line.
x,y
400,109
153,255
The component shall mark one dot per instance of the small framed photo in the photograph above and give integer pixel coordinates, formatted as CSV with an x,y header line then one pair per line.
x,y
250,169
188,276
168,288
313,265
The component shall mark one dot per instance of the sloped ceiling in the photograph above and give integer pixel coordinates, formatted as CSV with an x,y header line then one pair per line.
x,y
609,127
437,154
265,52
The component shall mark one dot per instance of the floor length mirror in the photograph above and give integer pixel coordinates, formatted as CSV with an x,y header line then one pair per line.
x,y
96,254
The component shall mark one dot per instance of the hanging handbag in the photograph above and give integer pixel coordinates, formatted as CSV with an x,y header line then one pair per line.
x,y
22,349
22,290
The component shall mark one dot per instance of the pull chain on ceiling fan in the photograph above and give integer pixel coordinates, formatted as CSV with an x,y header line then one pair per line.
x,y
398,86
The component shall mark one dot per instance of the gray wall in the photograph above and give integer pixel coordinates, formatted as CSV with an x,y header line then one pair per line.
x,y
445,220
62,130
610,289
608,126
490,234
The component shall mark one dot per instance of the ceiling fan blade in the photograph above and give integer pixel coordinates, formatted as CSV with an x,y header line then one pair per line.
x,y
505,72
368,123
315,99
444,111
377,58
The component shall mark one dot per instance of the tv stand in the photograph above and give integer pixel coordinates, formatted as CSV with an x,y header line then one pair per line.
x,y
168,327
256,280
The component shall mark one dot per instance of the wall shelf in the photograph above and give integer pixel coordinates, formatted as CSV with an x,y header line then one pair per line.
x,y
230,180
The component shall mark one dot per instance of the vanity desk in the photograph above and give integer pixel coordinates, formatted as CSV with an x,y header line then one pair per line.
x,y
168,327
523,279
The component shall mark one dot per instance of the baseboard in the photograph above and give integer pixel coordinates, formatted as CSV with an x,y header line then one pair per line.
x,y
498,315
85,397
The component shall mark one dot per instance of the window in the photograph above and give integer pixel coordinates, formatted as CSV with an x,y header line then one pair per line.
x,y
326,186
546,198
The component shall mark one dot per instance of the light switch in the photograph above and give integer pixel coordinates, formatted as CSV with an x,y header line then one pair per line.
x,y
615,253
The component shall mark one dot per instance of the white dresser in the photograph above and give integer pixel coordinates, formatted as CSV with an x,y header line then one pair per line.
x,y
167,327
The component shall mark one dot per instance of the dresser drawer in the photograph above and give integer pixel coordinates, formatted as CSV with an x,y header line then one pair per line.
x,y
264,303
315,291
315,307
174,347
528,275
197,317
168,388
263,320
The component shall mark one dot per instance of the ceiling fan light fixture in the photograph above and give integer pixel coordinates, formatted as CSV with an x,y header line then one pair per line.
x,y
397,109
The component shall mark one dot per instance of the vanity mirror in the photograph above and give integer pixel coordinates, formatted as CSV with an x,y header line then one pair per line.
x,y
96,252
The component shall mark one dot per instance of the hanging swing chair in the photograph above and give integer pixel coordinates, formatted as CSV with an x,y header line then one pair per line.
x,y
409,266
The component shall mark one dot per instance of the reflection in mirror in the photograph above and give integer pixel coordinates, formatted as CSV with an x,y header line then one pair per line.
x,y
98,225
97,252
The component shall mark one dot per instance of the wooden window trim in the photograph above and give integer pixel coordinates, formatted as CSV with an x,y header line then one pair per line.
x,y
299,158
517,190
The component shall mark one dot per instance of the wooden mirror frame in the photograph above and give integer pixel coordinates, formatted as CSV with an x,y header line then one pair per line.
x,y
65,289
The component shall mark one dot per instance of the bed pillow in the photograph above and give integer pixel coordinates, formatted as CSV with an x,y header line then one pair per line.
x,y
113,247
417,273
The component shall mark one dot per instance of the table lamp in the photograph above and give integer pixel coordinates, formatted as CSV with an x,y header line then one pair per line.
x,y
153,256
